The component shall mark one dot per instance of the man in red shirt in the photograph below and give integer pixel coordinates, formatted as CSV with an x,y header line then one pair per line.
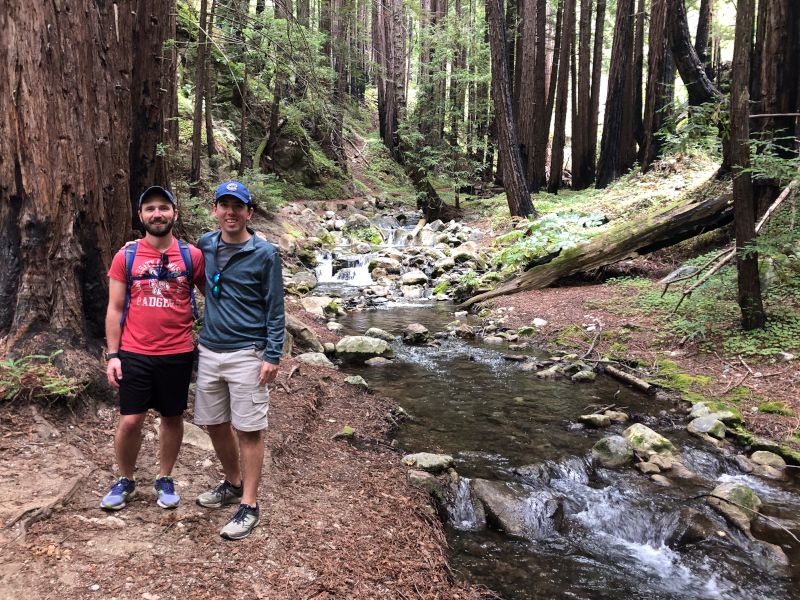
x,y
150,347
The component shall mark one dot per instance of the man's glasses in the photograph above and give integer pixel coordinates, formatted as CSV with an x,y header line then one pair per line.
x,y
163,268
216,288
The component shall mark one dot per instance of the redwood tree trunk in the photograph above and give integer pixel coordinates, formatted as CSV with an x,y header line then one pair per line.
x,y
702,40
749,295
65,84
519,199
658,96
597,73
559,129
537,156
581,173
197,120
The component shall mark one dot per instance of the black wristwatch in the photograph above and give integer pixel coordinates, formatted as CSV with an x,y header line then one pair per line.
x,y
110,355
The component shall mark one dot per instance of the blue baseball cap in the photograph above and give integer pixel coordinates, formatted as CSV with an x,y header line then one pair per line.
x,y
157,190
235,189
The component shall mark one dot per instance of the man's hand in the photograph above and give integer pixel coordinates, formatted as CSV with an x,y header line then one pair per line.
x,y
268,373
114,372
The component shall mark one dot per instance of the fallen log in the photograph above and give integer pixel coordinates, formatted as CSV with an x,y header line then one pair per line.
x,y
639,384
627,240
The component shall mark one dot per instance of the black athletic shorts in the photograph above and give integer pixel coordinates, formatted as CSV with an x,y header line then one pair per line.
x,y
160,382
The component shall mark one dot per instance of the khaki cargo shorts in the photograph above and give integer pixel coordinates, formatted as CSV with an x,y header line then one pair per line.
x,y
228,390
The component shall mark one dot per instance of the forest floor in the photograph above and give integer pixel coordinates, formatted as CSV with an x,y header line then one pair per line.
x,y
339,518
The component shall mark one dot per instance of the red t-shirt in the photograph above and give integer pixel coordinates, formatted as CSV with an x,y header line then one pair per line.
x,y
159,319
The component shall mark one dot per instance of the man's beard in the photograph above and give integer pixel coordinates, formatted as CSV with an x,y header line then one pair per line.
x,y
159,229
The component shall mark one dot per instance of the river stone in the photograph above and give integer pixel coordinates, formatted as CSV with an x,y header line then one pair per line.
x,y
316,304
329,348
363,248
426,461
553,372
647,468
770,459
334,326
662,461
612,451
660,480
493,340
443,265
412,292
316,359
745,464
357,381
428,482
465,331
414,278
583,377
691,527
390,265
378,361
361,347
416,334
302,334
301,282
519,510
356,221
680,471
727,416
375,332
595,420
707,425
645,440
616,416
377,290
727,498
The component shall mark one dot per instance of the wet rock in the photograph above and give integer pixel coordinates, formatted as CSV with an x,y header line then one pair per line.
x,y
412,292
465,331
301,282
443,265
612,451
595,420
583,377
493,340
771,558
745,464
363,248
357,381
317,359
316,304
414,278
660,480
709,425
646,441
736,502
647,468
376,332
388,264
720,412
416,334
691,527
361,348
378,361
428,482
302,335
426,461
334,326
356,221
553,372
616,416
663,462
770,459
680,471
518,509
329,347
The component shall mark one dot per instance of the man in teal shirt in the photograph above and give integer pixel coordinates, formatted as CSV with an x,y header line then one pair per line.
x,y
240,348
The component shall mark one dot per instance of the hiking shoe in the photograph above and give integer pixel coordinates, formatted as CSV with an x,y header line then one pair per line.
x,y
165,493
119,493
224,493
242,523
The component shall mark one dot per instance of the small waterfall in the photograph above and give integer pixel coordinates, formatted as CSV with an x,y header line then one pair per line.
x,y
352,270
461,511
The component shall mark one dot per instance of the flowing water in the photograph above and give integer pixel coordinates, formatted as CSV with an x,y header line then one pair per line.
x,y
612,539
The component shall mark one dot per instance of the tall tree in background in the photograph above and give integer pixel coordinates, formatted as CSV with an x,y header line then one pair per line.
x,y
702,40
581,88
559,128
527,87
197,120
537,155
208,98
66,82
749,295
519,199
597,77
616,155
658,96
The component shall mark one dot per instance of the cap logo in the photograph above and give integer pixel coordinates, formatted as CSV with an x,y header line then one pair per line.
x,y
231,187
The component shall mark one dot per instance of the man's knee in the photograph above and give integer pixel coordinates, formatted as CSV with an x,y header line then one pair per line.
x,y
174,422
131,424
250,437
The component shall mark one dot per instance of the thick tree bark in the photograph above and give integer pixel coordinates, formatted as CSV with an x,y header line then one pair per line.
x,y
702,40
65,84
559,129
211,148
749,286
303,12
197,120
149,84
615,153
581,171
527,88
658,95
519,199
597,76
457,86
537,155
693,73
628,240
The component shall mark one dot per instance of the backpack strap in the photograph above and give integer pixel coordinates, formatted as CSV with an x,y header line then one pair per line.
x,y
130,255
186,255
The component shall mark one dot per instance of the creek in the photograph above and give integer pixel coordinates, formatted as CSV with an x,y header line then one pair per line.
x,y
615,532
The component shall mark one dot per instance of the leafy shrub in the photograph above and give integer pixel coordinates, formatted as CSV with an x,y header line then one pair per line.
x,y
34,377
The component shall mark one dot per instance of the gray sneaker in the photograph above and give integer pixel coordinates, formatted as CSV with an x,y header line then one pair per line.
x,y
224,493
242,523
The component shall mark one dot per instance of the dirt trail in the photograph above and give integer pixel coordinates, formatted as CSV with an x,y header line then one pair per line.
x,y
338,519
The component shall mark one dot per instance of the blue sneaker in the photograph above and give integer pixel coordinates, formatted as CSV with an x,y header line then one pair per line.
x,y
165,493
119,493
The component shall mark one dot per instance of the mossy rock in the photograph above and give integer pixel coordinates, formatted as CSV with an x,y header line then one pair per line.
x,y
775,408
647,441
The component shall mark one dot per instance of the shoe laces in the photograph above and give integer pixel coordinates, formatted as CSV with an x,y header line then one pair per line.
x,y
122,485
166,485
242,513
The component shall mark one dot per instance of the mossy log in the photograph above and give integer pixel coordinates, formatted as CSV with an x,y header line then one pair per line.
x,y
627,240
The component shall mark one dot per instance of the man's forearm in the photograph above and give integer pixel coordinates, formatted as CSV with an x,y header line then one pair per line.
x,y
113,330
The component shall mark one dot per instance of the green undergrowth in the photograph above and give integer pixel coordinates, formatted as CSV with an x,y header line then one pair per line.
x,y
35,378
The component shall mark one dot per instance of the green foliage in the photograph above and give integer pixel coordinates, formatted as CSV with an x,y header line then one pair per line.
x,y
442,288
775,408
670,376
34,378
551,233
266,190
365,234
694,130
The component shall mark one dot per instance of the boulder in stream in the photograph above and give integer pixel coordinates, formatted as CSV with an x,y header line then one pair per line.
x,y
707,425
301,282
357,381
595,420
375,332
691,527
414,278
416,334
612,451
736,502
584,376
646,441
518,509
427,461
360,348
